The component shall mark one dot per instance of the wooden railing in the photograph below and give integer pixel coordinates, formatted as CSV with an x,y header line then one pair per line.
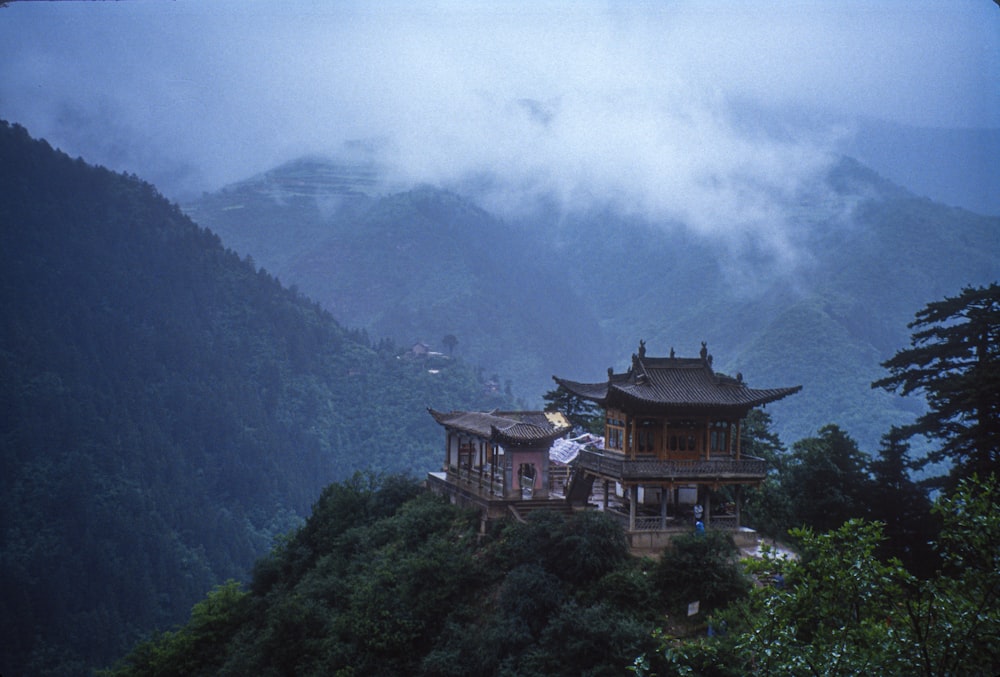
x,y
615,465
484,482
650,523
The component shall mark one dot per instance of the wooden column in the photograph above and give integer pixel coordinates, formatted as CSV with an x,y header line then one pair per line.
x,y
481,453
493,467
634,498
663,507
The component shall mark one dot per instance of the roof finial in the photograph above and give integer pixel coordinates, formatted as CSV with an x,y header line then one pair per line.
x,y
642,349
704,350
671,352
611,372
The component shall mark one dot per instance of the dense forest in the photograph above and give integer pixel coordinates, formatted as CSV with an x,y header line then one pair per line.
x,y
169,409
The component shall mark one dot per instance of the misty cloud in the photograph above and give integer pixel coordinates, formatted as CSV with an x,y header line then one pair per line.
x,y
645,105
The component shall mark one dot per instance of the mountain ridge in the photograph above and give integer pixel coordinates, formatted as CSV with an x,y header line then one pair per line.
x,y
869,255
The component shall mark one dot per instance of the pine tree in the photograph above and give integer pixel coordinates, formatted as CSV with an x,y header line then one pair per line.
x,y
827,480
954,361
902,505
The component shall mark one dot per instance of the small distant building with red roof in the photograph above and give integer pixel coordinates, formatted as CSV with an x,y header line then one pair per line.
x,y
498,460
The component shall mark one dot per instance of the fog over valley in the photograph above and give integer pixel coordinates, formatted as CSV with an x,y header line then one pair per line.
x,y
710,114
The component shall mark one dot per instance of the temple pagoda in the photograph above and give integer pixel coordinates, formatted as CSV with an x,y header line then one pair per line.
x,y
671,453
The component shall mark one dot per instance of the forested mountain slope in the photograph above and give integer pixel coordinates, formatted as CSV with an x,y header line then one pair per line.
x,y
415,265
167,410
570,292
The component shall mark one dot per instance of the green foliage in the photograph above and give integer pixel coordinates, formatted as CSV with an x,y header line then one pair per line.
x,y
768,507
955,620
903,507
408,588
757,438
700,568
826,480
831,613
578,550
821,483
954,362
192,650
839,609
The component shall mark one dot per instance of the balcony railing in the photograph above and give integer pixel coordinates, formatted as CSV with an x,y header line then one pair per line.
x,y
615,465
484,483
648,523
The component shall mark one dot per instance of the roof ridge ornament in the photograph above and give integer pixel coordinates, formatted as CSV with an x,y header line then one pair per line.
x,y
639,372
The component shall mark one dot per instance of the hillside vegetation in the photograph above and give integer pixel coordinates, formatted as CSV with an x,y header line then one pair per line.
x,y
383,581
168,410
386,580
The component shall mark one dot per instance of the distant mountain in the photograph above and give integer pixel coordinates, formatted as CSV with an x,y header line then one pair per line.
x,y
572,294
413,266
959,167
168,410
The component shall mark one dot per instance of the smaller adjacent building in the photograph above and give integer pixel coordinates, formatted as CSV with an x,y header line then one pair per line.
x,y
495,458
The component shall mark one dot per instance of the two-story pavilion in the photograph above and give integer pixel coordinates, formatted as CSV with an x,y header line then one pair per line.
x,y
672,440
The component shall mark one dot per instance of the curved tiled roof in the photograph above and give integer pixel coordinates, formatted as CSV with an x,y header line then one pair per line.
x,y
512,428
684,383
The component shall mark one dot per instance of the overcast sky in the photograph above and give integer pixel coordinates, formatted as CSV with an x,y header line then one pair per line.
x,y
656,103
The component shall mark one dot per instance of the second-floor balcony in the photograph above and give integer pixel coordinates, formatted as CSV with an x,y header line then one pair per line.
x,y
618,466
